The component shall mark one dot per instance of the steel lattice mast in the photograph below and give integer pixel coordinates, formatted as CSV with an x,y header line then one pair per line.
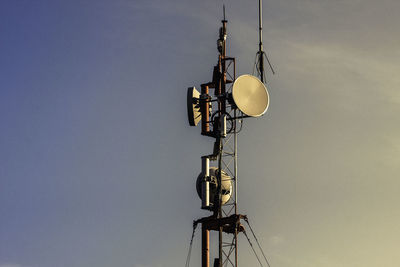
x,y
221,115
225,219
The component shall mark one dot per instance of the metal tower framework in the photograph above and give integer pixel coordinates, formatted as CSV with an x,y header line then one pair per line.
x,y
223,126
227,162
221,115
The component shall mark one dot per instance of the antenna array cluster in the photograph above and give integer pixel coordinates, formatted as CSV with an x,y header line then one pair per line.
x,y
219,107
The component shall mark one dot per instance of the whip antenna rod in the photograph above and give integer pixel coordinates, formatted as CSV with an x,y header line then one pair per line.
x,y
260,46
261,53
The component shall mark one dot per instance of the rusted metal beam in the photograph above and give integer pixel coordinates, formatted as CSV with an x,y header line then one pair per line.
x,y
205,247
204,108
228,224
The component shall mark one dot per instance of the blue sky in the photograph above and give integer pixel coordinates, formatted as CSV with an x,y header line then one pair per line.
x,y
98,163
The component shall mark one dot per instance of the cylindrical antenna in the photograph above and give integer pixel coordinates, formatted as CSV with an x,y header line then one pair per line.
x,y
223,125
205,188
261,53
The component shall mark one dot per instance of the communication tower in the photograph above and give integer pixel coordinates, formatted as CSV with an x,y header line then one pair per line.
x,y
220,107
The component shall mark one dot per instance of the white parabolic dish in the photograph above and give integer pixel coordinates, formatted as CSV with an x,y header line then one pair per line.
x,y
250,95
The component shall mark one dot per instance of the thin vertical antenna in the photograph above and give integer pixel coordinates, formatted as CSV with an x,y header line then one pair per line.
x,y
260,45
261,53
